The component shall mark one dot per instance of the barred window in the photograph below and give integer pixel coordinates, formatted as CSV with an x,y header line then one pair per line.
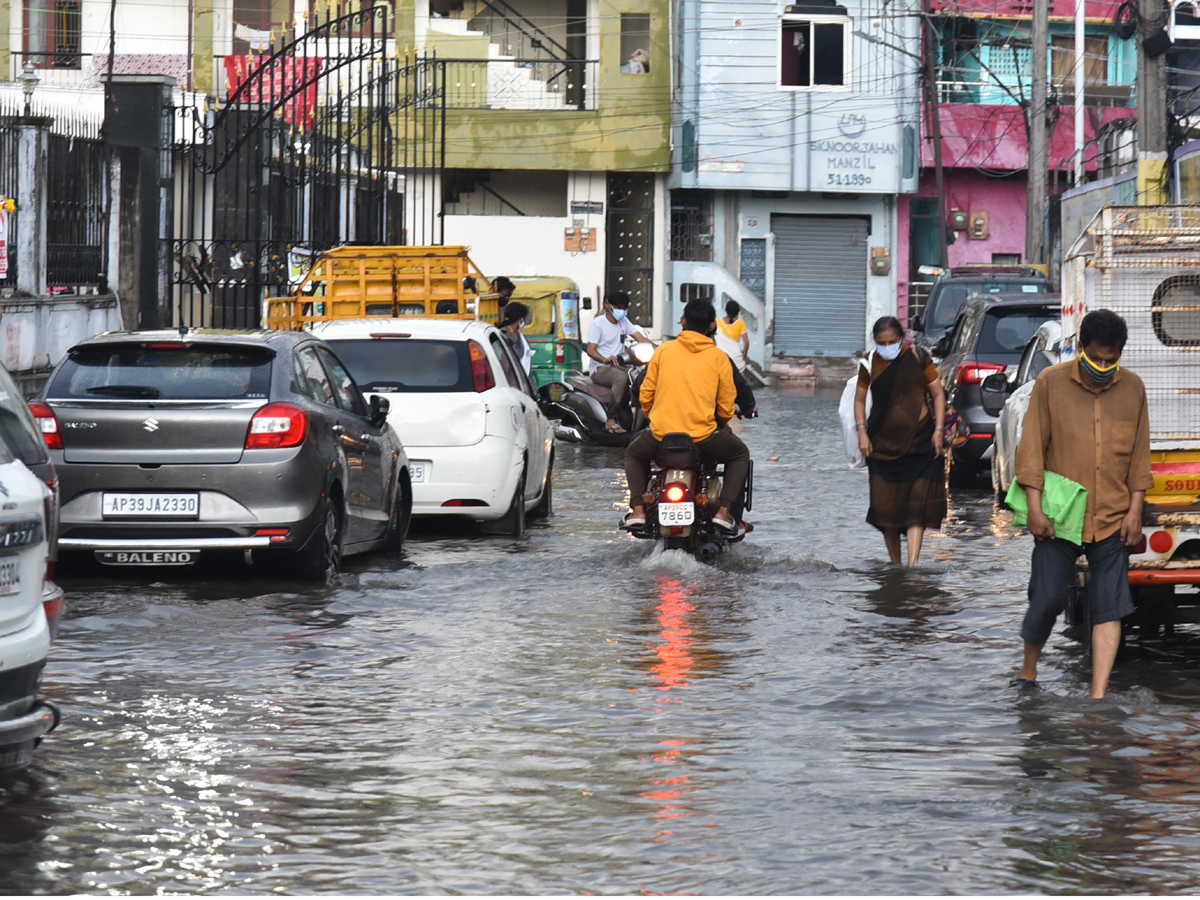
x,y
52,33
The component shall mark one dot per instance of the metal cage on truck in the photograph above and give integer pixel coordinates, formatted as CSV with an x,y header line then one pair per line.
x,y
357,282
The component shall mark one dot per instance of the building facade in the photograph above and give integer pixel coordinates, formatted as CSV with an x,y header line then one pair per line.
x,y
796,131
984,55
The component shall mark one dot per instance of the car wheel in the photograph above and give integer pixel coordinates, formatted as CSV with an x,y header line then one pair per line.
x,y
545,505
397,529
321,559
513,522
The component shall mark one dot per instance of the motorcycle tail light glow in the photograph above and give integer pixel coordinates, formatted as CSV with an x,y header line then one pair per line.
x,y
675,493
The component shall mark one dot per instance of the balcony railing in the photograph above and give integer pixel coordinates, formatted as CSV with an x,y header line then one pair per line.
x,y
969,87
507,83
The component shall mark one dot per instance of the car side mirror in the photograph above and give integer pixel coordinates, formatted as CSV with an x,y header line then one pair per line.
x,y
994,391
380,406
916,323
587,302
942,347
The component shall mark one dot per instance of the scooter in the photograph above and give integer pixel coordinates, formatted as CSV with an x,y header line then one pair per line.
x,y
683,494
580,405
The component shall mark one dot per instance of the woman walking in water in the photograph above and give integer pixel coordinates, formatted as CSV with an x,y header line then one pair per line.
x,y
902,439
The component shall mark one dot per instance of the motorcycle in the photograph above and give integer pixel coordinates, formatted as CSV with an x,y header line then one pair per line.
x,y
579,405
683,494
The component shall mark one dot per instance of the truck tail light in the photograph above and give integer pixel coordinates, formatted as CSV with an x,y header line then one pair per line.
x,y
481,369
48,423
975,372
560,353
277,425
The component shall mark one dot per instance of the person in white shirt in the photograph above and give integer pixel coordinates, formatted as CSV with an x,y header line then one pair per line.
x,y
606,340
512,320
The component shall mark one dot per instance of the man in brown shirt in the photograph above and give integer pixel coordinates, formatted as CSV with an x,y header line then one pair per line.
x,y
1087,421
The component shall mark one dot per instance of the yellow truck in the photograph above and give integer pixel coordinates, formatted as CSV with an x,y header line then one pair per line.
x,y
1143,262
356,282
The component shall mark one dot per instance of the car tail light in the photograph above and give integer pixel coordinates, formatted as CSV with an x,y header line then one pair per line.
x,y
560,353
277,425
464,503
975,372
675,493
166,345
1161,542
481,369
48,423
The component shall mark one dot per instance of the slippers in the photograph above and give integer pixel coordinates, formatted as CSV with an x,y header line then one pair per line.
x,y
727,527
1024,685
615,429
632,521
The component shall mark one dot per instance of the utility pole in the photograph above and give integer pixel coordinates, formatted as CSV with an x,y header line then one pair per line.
x,y
935,129
1080,76
1039,138
1152,106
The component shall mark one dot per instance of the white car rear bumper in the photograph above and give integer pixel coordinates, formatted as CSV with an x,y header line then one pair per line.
x,y
484,475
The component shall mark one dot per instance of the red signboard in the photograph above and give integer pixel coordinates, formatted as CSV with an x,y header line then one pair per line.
x,y
290,81
3,242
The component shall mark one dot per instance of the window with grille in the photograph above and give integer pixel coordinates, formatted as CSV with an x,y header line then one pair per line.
x,y
52,33
814,53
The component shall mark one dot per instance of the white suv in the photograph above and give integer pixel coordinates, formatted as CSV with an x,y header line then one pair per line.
x,y
24,628
478,444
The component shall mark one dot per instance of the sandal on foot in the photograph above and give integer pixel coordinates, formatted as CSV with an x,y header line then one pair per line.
x,y
615,429
1024,685
632,521
725,526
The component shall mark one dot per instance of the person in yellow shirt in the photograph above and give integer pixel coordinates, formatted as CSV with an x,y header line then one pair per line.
x,y
731,335
689,389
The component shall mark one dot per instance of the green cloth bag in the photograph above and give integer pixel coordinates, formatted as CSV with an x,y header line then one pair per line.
x,y
1063,501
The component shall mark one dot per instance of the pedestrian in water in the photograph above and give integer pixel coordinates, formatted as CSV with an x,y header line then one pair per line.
x,y
902,439
1089,423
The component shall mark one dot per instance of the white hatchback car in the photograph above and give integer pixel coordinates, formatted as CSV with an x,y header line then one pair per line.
x,y
1040,353
26,596
478,444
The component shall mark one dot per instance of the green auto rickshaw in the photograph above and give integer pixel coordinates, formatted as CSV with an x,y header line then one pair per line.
x,y
553,331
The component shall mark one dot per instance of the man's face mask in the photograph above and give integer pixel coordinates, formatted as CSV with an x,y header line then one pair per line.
x,y
619,314
1095,372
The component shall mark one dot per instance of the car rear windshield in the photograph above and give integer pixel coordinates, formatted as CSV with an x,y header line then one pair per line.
x,y
404,365
1010,330
164,372
945,304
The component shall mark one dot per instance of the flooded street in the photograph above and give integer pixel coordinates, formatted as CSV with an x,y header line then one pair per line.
x,y
576,712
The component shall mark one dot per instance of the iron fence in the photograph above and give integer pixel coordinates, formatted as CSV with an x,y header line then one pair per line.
x,y
75,207
9,137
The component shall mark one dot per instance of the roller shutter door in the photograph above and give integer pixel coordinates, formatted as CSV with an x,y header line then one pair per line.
x,y
820,285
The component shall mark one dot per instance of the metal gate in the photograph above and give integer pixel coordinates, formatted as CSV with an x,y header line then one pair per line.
x,y
630,258
325,140
820,285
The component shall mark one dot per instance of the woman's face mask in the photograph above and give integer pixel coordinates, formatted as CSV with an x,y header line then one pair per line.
x,y
891,351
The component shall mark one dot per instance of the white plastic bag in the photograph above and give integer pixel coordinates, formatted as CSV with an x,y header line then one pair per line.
x,y
846,414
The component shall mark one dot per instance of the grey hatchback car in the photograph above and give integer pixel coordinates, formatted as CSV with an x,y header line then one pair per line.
x,y
173,444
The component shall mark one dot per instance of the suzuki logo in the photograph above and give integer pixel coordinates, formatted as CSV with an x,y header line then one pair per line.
x,y
150,424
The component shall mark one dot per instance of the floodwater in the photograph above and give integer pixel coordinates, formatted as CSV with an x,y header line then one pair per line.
x,y
577,712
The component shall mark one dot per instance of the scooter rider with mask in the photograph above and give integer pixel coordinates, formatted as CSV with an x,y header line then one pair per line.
x,y
689,388
606,340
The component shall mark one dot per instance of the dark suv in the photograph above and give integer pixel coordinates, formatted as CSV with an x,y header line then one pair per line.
x,y
170,445
954,286
988,336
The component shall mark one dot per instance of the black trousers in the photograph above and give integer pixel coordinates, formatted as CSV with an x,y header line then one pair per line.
x,y
723,446
1050,580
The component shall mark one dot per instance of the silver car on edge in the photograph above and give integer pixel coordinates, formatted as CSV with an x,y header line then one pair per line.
x,y
173,444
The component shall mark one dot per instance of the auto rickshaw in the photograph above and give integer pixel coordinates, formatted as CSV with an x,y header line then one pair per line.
x,y
553,333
